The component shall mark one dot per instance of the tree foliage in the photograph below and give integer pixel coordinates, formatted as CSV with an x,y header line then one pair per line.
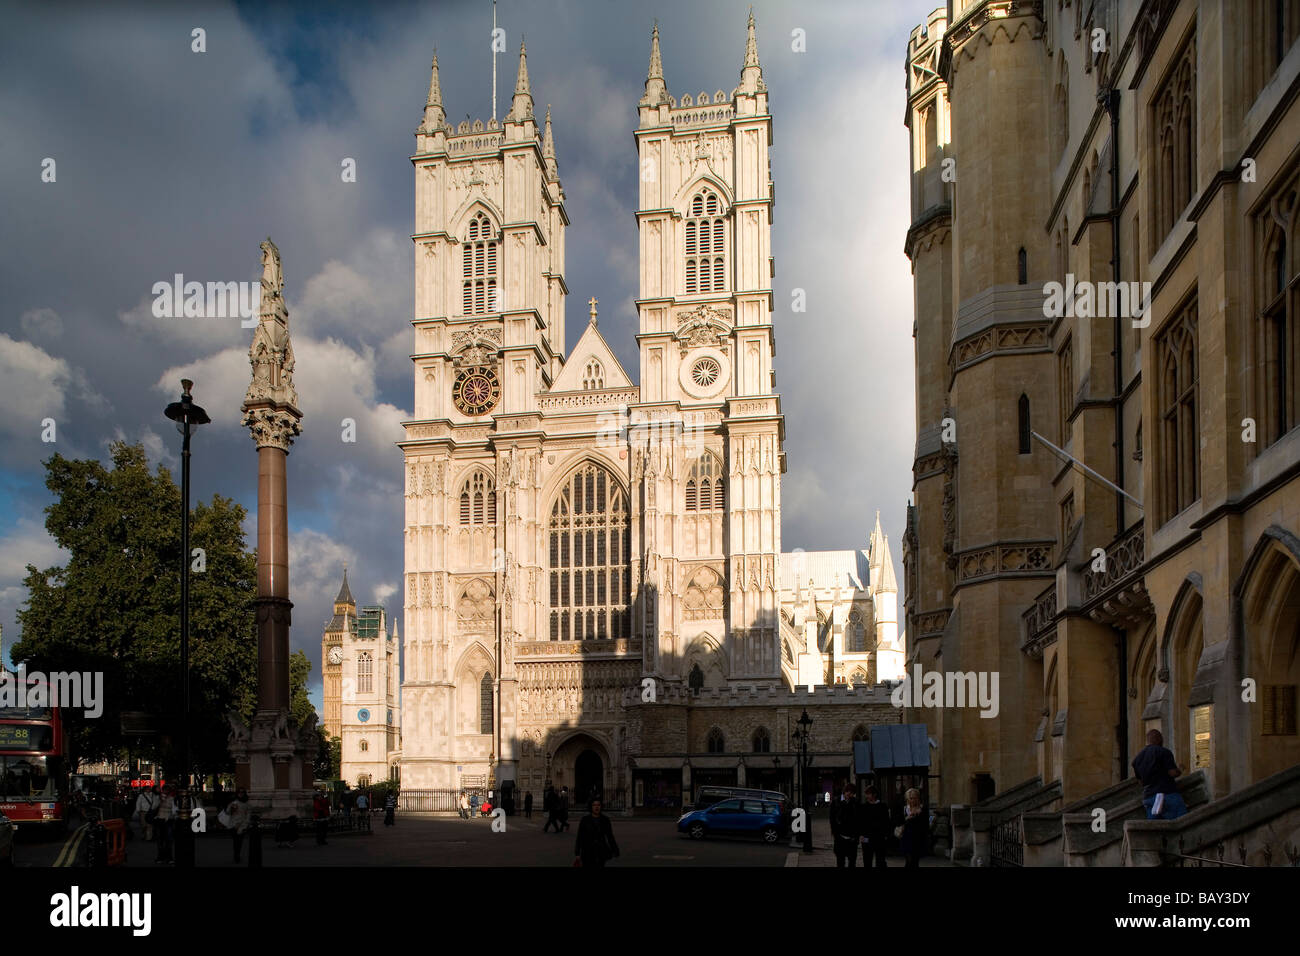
x,y
115,606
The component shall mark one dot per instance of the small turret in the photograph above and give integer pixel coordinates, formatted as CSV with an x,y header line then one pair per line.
x,y
656,92
548,149
434,115
751,75
521,107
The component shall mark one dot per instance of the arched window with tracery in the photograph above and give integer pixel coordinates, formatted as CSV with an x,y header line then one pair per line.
x,y
705,488
590,541
478,500
856,639
1175,132
479,267
1180,433
717,743
706,244
365,673
485,704
762,742
593,376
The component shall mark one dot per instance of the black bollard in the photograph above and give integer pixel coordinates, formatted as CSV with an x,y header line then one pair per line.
x,y
255,840
97,846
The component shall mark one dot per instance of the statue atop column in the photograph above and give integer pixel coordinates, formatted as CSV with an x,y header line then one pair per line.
x,y
271,403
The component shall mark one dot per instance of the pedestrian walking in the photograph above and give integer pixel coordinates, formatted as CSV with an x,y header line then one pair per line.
x,y
390,809
164,814
349,801
464,805
551,804
363,803
595,845
914,833
846,827
145,804
474,802
235,818
1154,765
875,828
528,805
320,813
563,808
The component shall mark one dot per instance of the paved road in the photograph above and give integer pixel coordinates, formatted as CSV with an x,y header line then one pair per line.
x,y
426,840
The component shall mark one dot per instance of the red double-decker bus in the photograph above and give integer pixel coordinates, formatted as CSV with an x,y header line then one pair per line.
x,y
33,765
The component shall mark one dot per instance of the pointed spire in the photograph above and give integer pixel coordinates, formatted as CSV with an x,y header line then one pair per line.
x,y
345,593
548,148
656,92
521,108
887,581
751,75
434,115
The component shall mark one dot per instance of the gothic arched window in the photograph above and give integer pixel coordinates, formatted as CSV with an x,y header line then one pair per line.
x,y
716,743
478,500
593,376
365,673
1178,469
855,632
705,489
479,267
706,244
762,742
485,704
364,746
860,732
590,542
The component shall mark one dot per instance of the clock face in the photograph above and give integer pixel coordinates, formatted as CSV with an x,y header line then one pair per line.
x,y
477,390
390,715
336,655
363,715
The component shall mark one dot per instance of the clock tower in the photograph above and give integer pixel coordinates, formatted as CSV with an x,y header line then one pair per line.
x,y
340,626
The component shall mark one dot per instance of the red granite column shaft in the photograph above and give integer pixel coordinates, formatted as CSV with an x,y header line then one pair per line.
x,y
272,580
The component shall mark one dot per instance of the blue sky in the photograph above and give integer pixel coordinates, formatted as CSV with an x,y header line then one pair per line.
x,y
173,161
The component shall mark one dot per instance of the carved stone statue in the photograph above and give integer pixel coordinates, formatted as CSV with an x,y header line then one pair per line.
x,y
238,732
280,731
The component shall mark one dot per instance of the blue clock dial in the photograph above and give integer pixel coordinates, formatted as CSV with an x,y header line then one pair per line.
x,y
363,715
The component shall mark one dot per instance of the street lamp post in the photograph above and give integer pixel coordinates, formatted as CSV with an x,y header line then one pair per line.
x,y
187,417
802,735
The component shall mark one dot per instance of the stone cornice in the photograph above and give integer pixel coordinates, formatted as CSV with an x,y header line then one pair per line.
x,y
959,36
1004,559
934,224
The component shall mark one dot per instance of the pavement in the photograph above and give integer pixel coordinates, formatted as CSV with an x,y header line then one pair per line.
x,y
445,840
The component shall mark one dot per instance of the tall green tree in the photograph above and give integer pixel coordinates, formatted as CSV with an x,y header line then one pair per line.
x,y
115,606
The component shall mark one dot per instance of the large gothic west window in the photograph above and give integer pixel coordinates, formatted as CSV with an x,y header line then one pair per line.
x,y
478,500
706,244
589,548
479,267
485,704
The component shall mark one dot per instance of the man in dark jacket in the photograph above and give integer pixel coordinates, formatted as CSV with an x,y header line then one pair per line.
x,y
1156,768
875,828
595,844
550,803
562,808
846,827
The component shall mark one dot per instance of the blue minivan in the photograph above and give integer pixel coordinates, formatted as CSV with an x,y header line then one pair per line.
x,y
737,816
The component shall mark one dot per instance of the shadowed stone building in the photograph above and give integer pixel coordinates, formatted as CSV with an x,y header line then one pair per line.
x,y
1106,256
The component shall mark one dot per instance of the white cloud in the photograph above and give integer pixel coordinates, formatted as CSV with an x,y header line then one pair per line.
x,y
41,323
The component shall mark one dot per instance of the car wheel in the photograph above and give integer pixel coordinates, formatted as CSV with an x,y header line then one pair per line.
x,y
696,831
771,834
